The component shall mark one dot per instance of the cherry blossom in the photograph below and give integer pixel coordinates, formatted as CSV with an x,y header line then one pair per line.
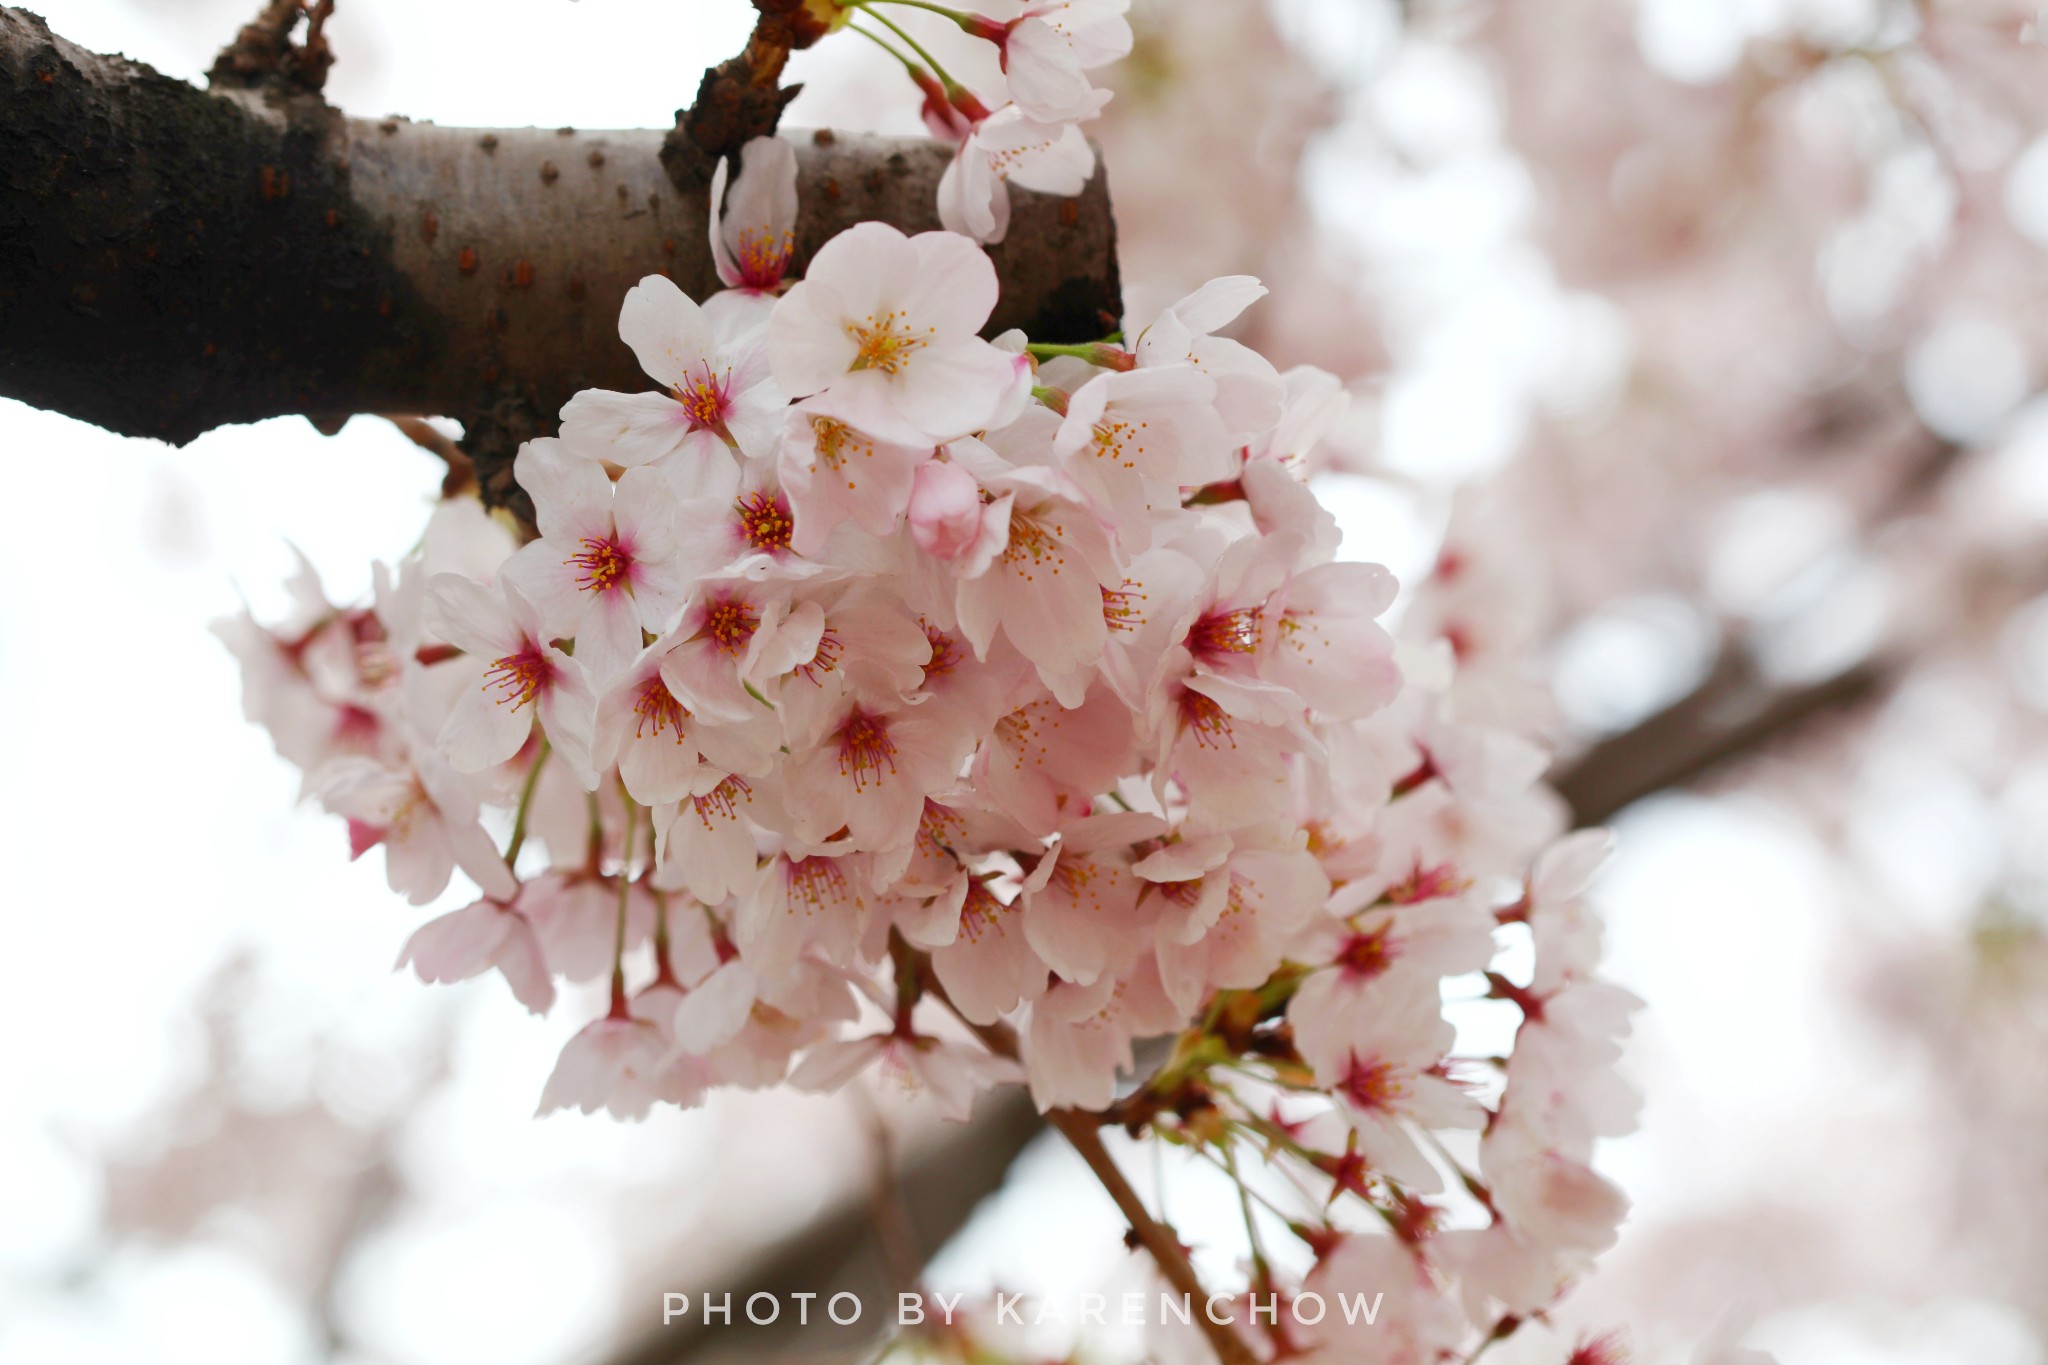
x,y
1012,692
524,678
718,399
1009,146
1050,46
754,236
888,322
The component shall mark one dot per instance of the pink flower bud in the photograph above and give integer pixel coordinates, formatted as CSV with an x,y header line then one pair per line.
x,y
945,509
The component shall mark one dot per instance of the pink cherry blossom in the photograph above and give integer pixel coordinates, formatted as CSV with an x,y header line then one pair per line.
x,y
753,239
604,568
523,678
888,323
717,397
1009,145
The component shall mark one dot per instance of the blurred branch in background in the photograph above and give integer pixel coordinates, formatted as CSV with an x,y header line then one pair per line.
x,y
840,1250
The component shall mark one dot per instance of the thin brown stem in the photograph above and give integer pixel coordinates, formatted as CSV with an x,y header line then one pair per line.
x,y
1082,1131
1079,1129
461,476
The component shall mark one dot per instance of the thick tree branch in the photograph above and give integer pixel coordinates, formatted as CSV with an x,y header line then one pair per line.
x,y
840,1251
172,260
1733,713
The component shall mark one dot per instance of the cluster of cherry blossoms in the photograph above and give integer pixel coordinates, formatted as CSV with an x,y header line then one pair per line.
x,y
877,698
1024,124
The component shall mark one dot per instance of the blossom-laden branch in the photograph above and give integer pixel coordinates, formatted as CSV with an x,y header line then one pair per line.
x,y
171,261
884,668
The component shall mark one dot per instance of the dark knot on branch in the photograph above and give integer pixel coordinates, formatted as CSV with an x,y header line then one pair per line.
x,y
742,98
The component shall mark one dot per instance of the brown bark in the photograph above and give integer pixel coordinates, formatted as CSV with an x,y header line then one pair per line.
x,y
173,260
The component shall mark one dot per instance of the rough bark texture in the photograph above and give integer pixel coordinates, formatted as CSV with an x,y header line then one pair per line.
x,y
173,260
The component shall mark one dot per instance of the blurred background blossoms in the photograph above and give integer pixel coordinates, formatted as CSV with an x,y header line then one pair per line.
x,y
1705,333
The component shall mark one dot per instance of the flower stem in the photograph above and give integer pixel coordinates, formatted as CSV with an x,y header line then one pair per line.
x,y
1166,1250
915,46
970,23
625,891
525,807
1101,354
1080,1128
883,43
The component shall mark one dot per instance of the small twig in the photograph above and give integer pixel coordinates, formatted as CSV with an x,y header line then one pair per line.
x,y
1079,1129
263,54
741,98
461,476
894,1237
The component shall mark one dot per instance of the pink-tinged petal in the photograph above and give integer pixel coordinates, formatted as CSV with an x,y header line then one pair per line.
x,y
458,945
705,674
608,638
644,513
828,1066
628,429
1217,304
572,497
471,616
1055,160
713,1014
721,250
808,346
990,967
737,316
753,242
972,200
1046,79
666,329
568,713
660,768
479,858
755,420
483,730
868,269
955,286
948,391
702,469
546,577
525,970
660,590
418,866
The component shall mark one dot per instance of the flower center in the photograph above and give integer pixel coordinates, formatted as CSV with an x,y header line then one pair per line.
x,y
830,647
723,801
657,707
1210,723
1374,1085
866,752
815,884
601,564
731,624
1119,441
520,677
1123,609
765,522
763,256
1367,955
703,398
885,343
945,657
1226,632
837,444
980,911
1427,884
1033,547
